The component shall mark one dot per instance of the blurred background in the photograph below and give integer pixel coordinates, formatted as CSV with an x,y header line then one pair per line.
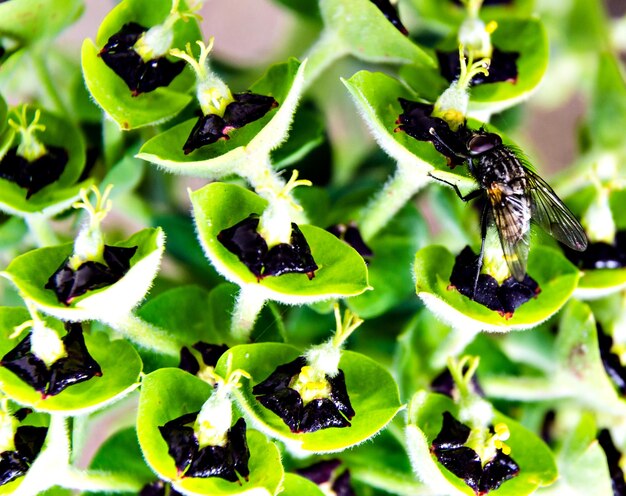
x,y
254,33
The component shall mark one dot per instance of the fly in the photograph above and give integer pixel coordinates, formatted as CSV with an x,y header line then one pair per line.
x,y
516,196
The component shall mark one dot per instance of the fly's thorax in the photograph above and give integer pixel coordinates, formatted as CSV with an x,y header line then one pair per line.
x,y
499,165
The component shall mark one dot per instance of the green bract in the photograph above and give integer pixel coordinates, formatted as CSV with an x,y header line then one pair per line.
x,y
372,392
384,43
111,92
376,94
341,272
451,13
169,393
556,276
536,462
600,282
30,273
294,485
30,20
252,142
582,462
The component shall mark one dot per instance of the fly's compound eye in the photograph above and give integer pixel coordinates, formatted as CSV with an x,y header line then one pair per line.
x,y
481,143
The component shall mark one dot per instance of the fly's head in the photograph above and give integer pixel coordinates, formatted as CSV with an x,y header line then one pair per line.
x,y
481,142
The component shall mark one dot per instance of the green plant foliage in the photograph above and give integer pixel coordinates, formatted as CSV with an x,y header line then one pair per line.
x,y
191,326
30,21
384,43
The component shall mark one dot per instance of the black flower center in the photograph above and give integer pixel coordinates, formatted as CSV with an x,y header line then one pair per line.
x,y
28,441
350,234
248,245
247,108
140,76
210,461
77,366
37,174
68,283
503,298
449,448
600,255
416,120
277,393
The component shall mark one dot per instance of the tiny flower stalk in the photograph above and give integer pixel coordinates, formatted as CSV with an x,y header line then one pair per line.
x,y
282,210
325,357
212,93
598,219
474,34
452,104
216,415
89,244
45,343
30,147
473,410
157,41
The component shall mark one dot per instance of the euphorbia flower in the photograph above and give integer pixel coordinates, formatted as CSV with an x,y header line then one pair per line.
x,y
206,443
32,165
222,111
139,55
19,445
482,475
192,460
304,398
309,393
141,76
93,265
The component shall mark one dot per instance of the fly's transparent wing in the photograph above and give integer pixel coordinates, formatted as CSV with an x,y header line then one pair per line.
x,y
552,215
511,214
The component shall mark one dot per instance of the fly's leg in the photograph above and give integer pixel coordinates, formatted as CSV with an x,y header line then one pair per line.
x,y
483,235
470,196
